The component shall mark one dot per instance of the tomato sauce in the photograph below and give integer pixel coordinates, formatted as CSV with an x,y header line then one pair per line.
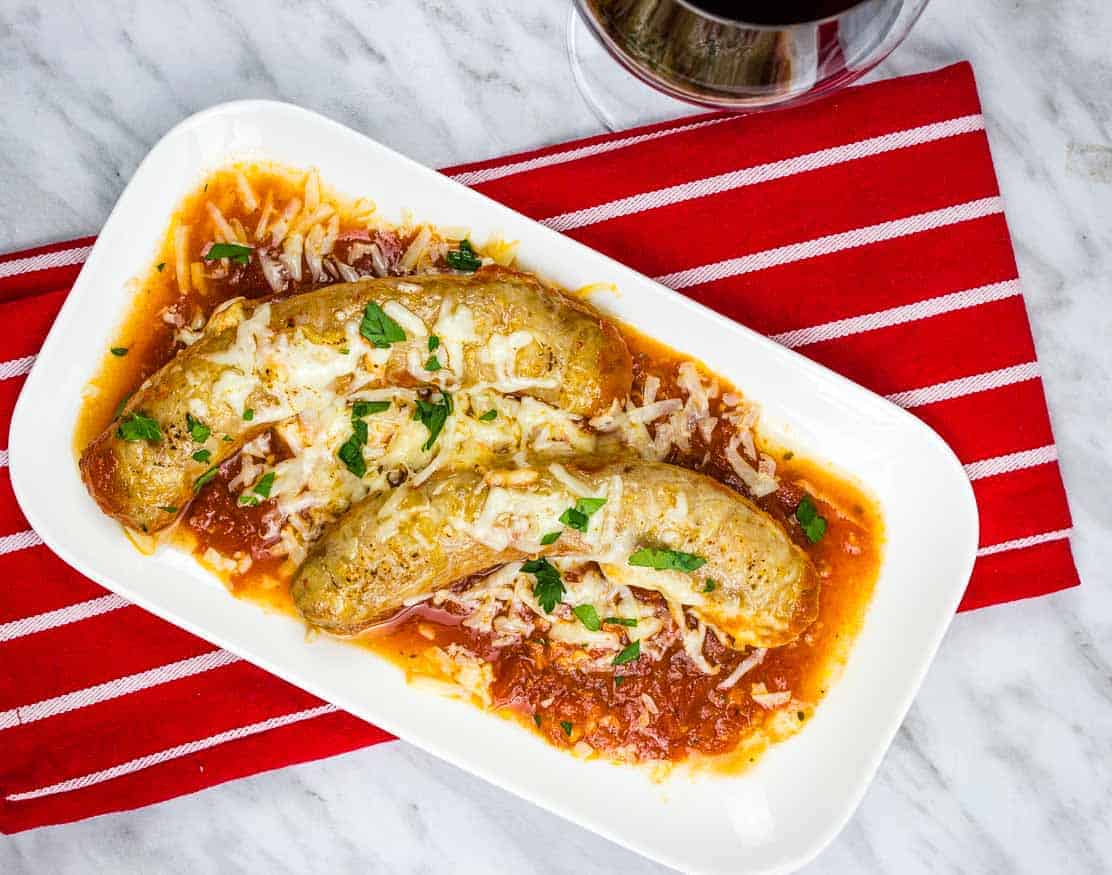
x,y
660,710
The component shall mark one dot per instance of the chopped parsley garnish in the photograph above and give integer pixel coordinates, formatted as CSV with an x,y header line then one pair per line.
x,y
433,364
489,416
205,478
566,726
228,438
464,258
202,455
433,416
365,408
261,490
434,342
710,585
138,427
579,516
249,414
619,679
379,328
574,519
537,720
666,560
621,621
263,486
123,403
197,429
628,654
119,351
549,588
351,453
814,526
161,266
168,508
589,506
550,538
588,616
237,252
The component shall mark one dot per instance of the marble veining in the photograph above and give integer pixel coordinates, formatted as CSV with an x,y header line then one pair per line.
x,y
1005,761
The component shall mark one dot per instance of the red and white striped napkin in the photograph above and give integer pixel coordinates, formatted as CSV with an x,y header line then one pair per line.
x,y
865,231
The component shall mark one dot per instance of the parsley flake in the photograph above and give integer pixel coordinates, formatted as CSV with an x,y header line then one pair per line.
x,y
621,621
579,517
205,478
434,342
263,486
814,526
464,258
666,560
261,491
202,455
365,408
566,726
710,585
379,328
588,616
433,364
537,720
119,351
168,508
249,414
197,429
630,653
123,403
550,538
161,266
433,416
575,519
351,453
237,252
489,416
619,679
549,588
138,427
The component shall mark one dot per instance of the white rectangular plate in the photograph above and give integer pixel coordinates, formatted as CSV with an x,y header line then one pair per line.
x,y
773,818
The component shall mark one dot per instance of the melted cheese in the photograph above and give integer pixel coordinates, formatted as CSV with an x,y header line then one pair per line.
x,y
500,353
514,518
279,373
409,321
548,429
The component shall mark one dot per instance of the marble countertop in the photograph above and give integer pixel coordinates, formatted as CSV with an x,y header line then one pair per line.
x,y
1004,763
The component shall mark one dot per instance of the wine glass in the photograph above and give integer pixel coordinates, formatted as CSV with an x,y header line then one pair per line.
x,y
741,56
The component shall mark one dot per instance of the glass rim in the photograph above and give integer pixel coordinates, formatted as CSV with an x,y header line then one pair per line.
x,y
740,22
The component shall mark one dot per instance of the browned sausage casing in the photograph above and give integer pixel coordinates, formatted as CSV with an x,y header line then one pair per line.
x,y
575,360
458,524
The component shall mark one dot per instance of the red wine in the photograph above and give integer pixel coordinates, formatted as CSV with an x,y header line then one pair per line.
x,y
773,12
